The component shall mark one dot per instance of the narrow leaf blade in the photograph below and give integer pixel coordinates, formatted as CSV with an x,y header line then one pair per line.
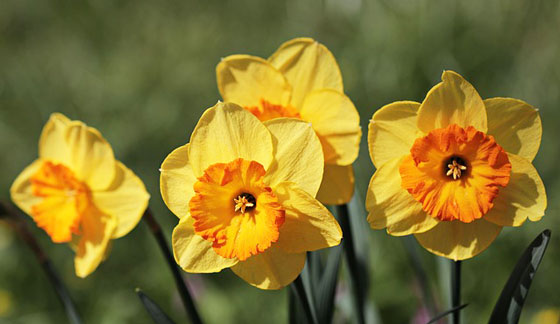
x,y
509,305
327,286
447,312
153,309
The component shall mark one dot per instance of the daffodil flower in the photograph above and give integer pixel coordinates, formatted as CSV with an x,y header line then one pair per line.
x,y
454,169
301,80
78,193
244,192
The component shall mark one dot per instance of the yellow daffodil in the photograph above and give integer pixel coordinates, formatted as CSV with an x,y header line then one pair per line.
x,y
301,80
454,169
78,193
244,193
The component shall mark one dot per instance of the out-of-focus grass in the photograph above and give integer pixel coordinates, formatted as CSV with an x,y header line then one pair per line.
x,y
142,72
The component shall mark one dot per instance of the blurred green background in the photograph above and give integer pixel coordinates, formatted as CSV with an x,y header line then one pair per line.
x,y
142,72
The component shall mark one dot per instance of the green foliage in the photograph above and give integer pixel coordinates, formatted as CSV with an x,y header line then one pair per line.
x,y
509,306
153,309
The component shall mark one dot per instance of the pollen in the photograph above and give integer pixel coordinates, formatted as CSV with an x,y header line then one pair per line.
x,y
243,202
456,167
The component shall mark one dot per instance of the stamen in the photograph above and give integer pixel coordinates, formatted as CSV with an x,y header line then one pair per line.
x,y
456,167
243,202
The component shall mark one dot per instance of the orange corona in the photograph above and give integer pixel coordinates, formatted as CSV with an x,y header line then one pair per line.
x,y
235,210
455,173
267,110
64,200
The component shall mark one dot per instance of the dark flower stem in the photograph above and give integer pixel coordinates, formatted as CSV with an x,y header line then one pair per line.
x,y
299,290
179,281
15,219
456,290
351,259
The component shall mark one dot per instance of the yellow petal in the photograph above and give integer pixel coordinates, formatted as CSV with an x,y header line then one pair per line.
x,y
298,155
195,254
52,143
176,181
126,200
97,230
453,101
337,123
91,157
245,80
337,187
515,125
21,191
392,207
226,132
457,240
308,66
523,197
272,269
392,131
308,225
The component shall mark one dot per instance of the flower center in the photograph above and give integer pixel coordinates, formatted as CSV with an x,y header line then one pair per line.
x,y
266,110
225,210
455,167
455,173
64,201
244,201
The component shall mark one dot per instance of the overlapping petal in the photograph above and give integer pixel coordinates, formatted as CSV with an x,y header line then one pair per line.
x,y
21,191
515,125
272,269
524,196
226,132
91,157
308,65
195,254
126,199
97,230
452,101
298,155
337,187
392,207
337,123
177,180
392,131
308,225
457,240
246,79
52,143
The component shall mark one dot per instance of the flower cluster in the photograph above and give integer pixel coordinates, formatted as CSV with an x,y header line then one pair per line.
x,y
249,186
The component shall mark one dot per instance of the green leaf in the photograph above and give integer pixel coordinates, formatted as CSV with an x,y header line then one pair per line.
x,y
303,304
411,247
509,305
447,312
327,286
153,309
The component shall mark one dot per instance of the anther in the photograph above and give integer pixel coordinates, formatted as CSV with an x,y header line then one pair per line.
x,y
243,202
456,166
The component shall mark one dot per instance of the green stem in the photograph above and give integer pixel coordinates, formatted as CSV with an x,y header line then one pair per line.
x,y
16,220
456,290
351,259
179,281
